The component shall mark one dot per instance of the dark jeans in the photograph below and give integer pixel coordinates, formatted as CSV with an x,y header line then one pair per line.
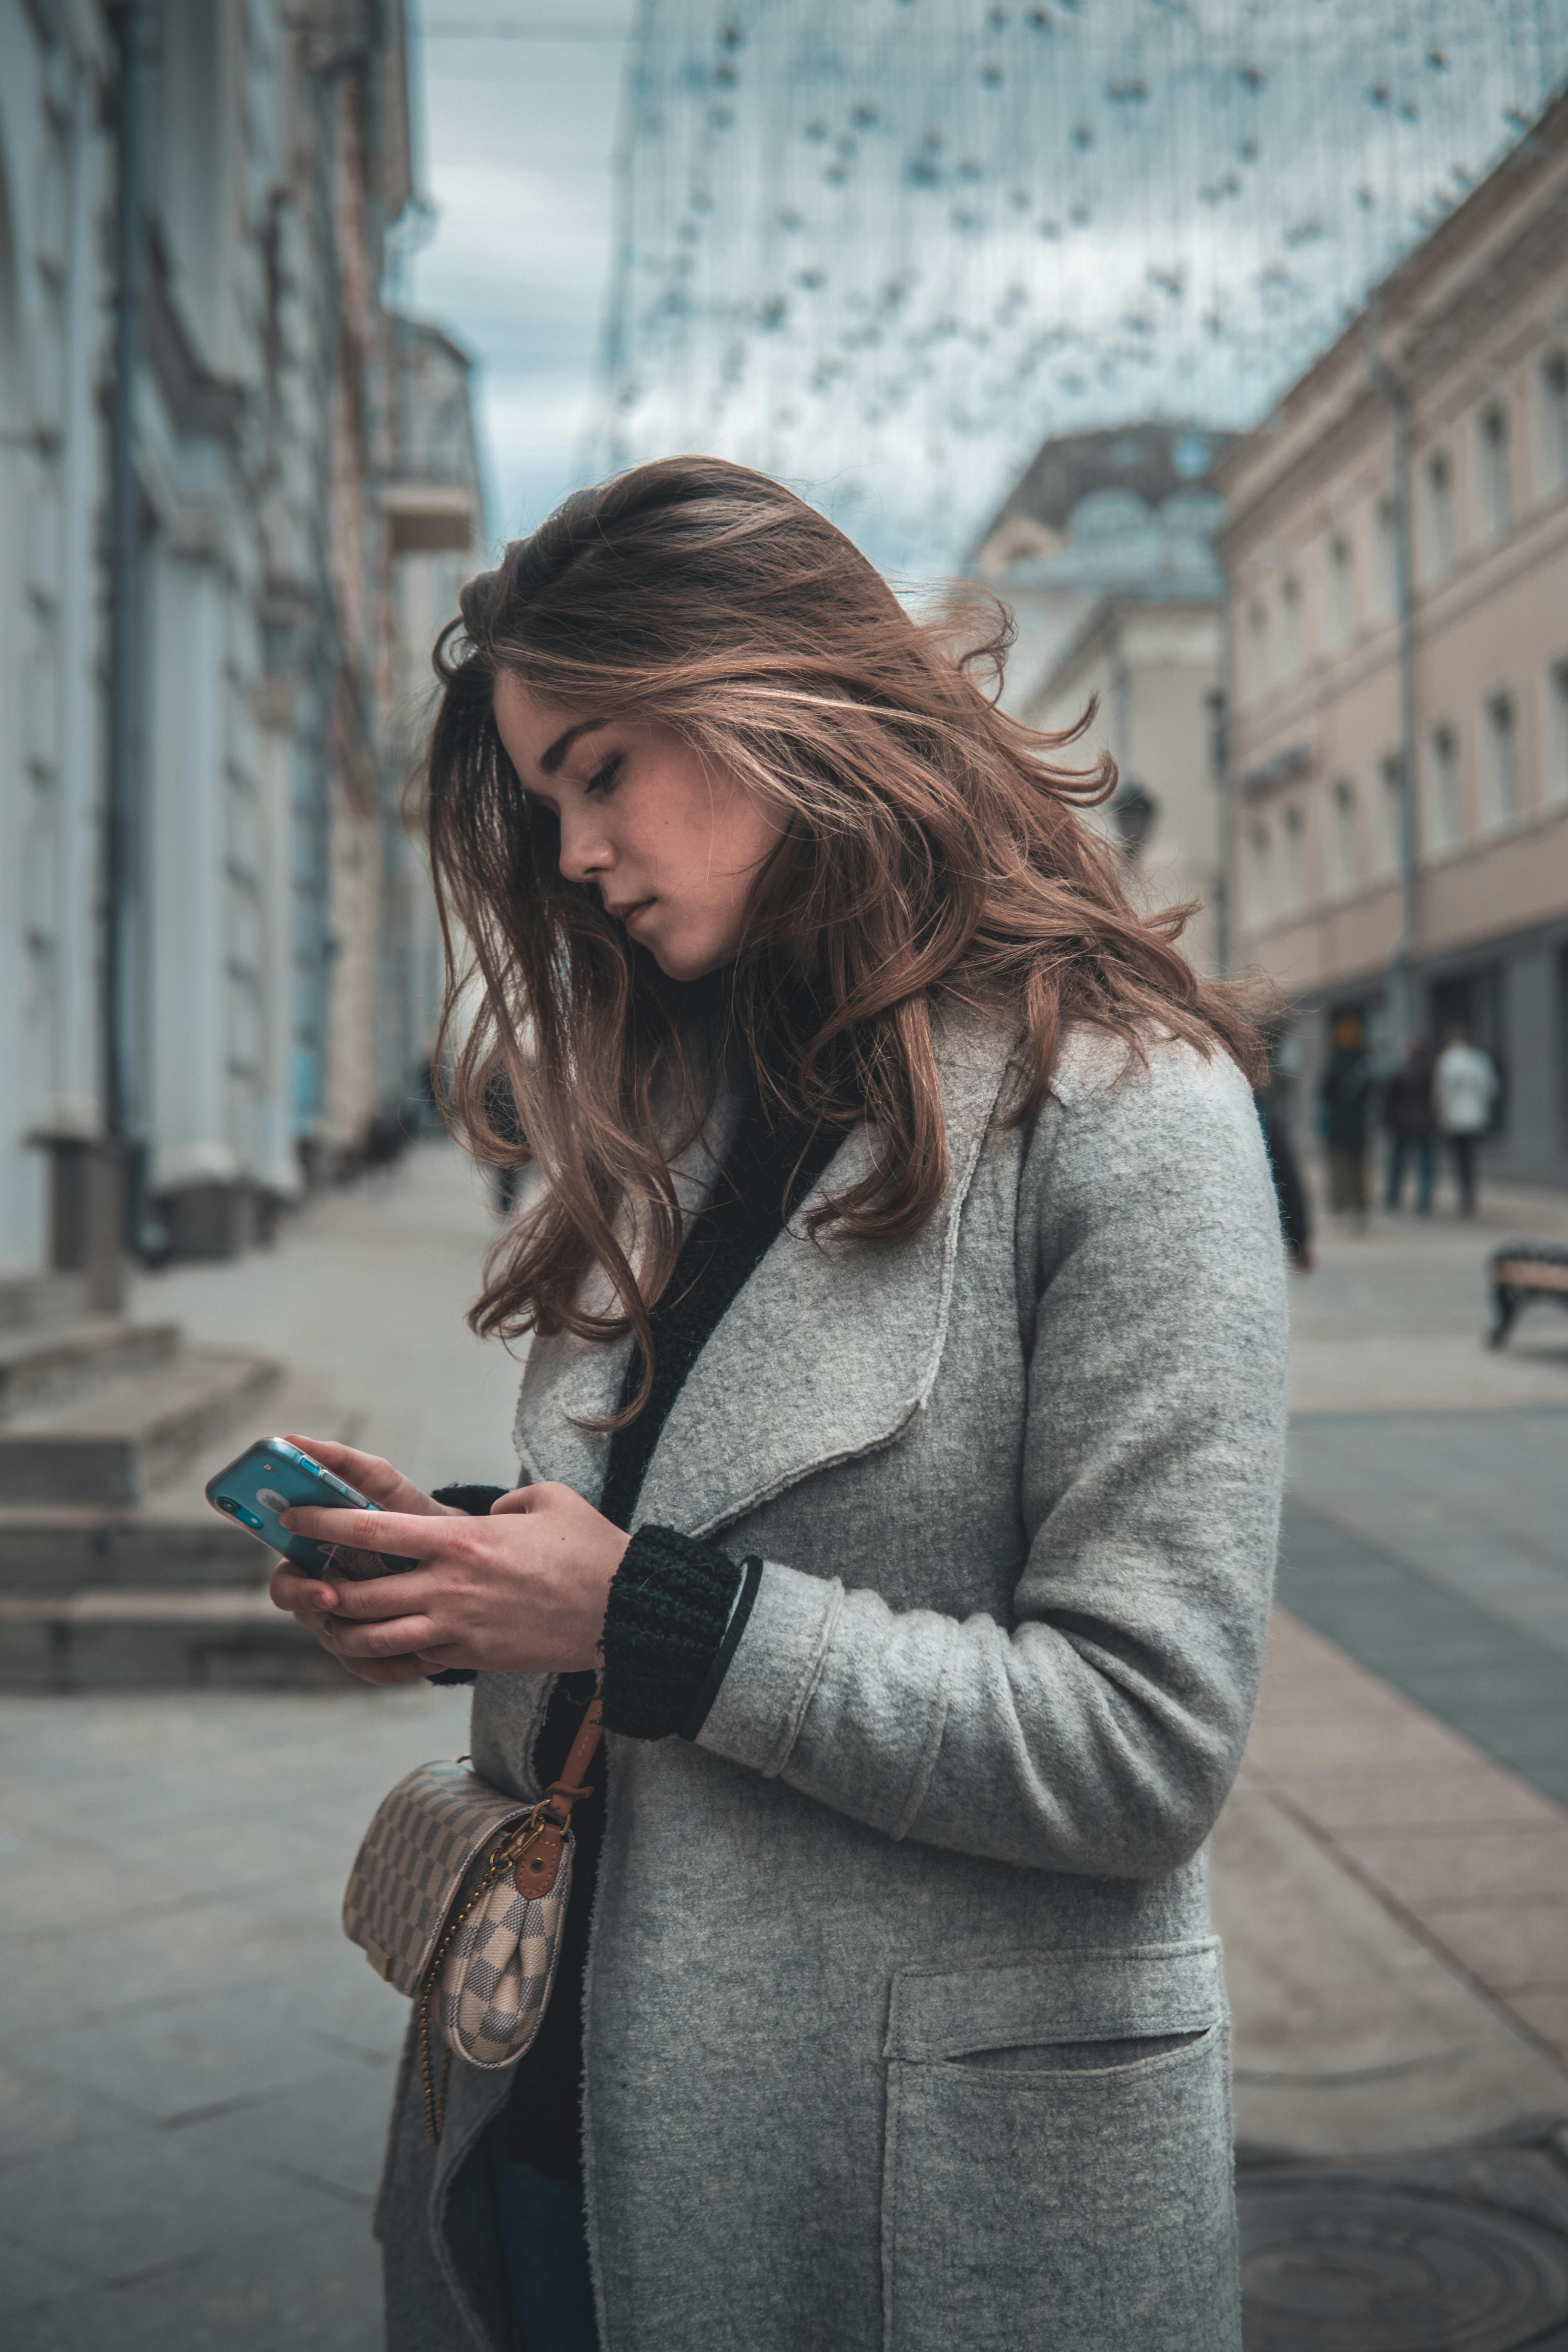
x,y
1462,1149
1347,1182
546,2257
1404,1151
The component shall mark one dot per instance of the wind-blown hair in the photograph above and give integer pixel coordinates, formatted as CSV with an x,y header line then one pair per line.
x,y
931,849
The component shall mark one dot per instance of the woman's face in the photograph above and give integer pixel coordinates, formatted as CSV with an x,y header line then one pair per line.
x,y
672,844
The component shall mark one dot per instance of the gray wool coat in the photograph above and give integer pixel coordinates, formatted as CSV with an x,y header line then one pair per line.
x,y
905,2025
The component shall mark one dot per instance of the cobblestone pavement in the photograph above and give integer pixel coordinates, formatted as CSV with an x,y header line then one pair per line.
x,y
195,2067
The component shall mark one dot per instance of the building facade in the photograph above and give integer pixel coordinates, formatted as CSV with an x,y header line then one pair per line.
x,y
436,512
1103,553
199,550
1398,549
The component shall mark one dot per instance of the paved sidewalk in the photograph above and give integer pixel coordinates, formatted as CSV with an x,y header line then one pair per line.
x,y
366,1290
1392,1878
1394,1911
196,2067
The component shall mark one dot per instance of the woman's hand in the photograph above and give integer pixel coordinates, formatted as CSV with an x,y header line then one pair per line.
x,y
522,1591
300,1595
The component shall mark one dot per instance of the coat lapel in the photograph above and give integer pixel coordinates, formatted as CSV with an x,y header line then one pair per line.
x,y
824,1354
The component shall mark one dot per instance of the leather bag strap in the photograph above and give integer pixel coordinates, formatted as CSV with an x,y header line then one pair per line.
x,y
563,1793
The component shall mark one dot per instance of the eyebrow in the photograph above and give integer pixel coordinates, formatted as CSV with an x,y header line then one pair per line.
x,y
550,761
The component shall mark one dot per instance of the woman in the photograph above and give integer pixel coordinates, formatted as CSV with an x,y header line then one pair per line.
x,y
930,1662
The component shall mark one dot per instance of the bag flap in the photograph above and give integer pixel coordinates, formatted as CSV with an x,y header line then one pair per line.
x,y
426,1837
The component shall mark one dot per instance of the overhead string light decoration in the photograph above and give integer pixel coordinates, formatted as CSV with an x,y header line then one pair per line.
x,y
884,247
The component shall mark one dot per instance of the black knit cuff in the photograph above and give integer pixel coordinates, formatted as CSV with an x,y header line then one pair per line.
x,y
669,1609
476,1501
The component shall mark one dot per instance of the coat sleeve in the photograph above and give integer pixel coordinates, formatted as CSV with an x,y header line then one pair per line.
x,y
1100,1731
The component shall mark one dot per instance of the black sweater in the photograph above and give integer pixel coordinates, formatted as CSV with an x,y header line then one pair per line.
x,y
676,1608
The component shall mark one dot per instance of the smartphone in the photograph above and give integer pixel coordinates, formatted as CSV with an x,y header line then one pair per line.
x,y
272,1477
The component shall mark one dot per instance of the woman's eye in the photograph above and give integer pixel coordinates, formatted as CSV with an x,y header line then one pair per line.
x,y
603,778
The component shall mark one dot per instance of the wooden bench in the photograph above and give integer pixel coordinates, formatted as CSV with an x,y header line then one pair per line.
x,y
1520,1272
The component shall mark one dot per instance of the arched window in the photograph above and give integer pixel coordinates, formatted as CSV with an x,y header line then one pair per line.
x,y
1494,471
1293,859
1292,635
1443,816
1345,862
1554,423
1259,666
1341,594
1259,872
1437,538
1499,761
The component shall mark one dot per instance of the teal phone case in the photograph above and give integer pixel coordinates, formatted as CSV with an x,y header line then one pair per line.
x,y
272,1477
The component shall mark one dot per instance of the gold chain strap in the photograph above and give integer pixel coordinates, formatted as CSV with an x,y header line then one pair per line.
x,y
500,1864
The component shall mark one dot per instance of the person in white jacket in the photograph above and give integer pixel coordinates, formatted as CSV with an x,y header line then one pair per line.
x,y
1464,1085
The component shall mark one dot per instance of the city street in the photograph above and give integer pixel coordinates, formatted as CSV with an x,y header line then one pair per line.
x,y
195,2067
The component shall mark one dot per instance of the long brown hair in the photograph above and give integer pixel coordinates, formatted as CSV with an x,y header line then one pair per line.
x,y
930,848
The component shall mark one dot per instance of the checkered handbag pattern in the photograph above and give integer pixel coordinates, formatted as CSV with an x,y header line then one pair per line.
x,y
416,1856
492,1985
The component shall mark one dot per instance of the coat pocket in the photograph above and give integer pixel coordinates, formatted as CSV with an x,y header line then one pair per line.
x,y
1057,2169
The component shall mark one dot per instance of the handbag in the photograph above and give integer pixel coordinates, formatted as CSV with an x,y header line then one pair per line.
x,y
457,1898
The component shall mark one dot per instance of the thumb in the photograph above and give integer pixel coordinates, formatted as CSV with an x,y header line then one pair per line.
x,y
521,1498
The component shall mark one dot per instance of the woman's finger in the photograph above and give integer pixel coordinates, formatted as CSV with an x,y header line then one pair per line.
x,y
396,1531
398,1637
413,1591
386,1670
382,1481
300,1595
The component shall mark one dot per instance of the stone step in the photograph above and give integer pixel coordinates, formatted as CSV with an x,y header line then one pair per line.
x,y
51,1549
30,1301
170,1540
159,1639
39,1363
118,1441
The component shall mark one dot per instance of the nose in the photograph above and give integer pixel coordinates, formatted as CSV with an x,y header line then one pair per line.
x,y
585,855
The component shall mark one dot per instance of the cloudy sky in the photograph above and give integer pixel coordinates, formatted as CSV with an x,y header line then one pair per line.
x,y
882,249
518,102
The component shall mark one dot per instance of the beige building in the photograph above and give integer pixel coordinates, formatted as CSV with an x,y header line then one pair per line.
x,y
1103,553
1398,556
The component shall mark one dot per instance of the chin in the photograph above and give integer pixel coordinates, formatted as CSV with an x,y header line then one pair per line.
x,y
688,962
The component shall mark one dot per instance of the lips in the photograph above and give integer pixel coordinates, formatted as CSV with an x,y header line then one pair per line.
x,y
629,910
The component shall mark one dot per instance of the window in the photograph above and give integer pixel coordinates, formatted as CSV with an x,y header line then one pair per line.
x,y
1554,423
1343,862
1494,482
1293,860
1293,650
1554,766
1500,766
1259,874
1439,537
1342,594
1444,821
1390,812
1258,650
1384,578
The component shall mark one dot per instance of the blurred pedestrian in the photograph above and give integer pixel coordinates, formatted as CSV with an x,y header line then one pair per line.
x,y
1294,1217
505,1134
1274,1118
902,1440
1344,1103
1465,1086
1411,1121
